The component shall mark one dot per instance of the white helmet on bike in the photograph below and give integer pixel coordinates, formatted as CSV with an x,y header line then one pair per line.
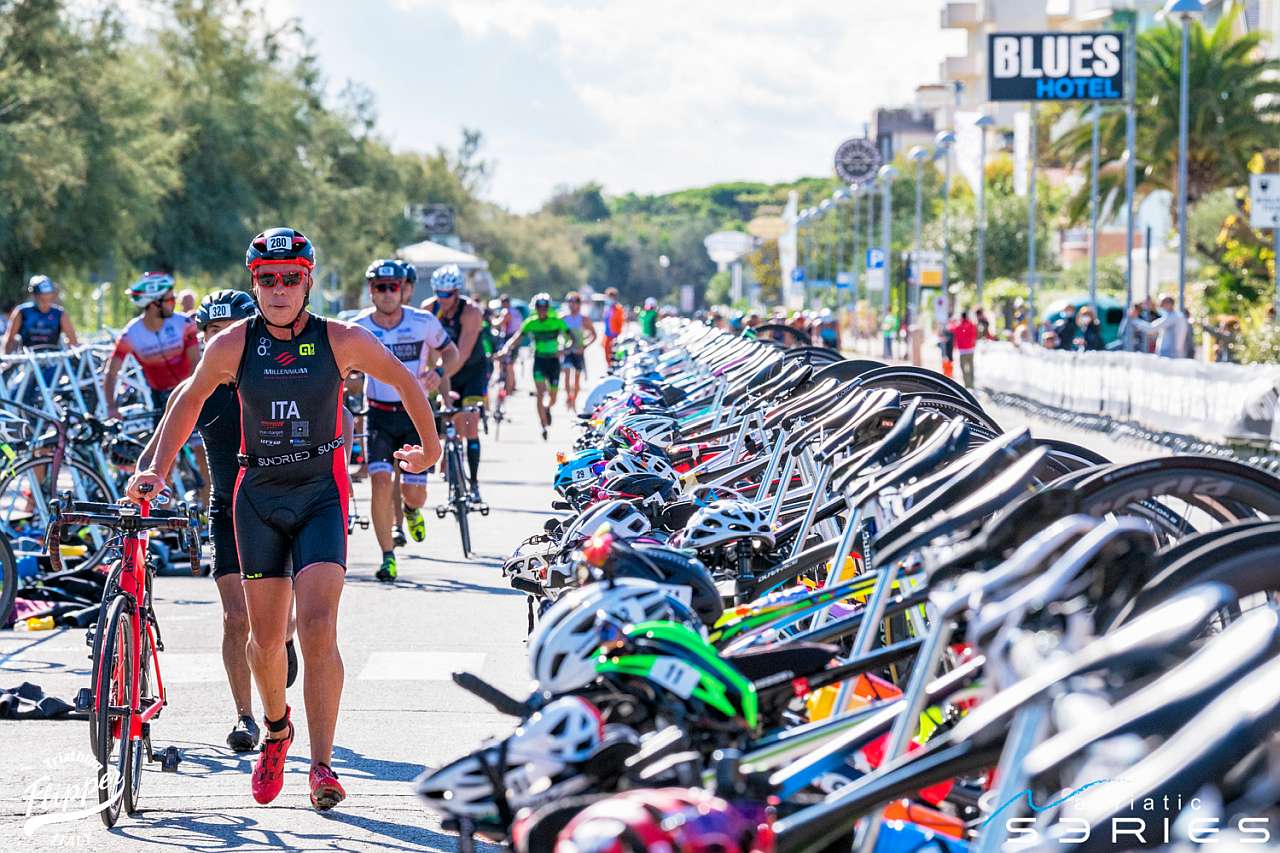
x,y
632,463
564,646
625,521
725,521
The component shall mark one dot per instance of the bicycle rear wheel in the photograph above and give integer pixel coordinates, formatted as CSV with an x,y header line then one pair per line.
x,y
8,581
25,494
114,711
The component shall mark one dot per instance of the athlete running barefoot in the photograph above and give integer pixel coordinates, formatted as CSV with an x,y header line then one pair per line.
x,y
291,495
416,338
546,329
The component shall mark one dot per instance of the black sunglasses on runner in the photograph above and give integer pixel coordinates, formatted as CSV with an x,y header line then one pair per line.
x,y
387,287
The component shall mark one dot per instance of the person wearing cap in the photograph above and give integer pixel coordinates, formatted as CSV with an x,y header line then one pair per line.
x,y
649,318
163,342
39,324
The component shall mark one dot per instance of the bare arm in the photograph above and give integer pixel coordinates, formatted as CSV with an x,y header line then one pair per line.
x,y
109,384
357,349
449,358
471,322
149,452
511,344
11,333
589,335
219,365
69,329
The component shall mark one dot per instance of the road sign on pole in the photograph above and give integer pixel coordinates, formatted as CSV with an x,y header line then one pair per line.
x,y
1264,199
434,219
875,269
857,159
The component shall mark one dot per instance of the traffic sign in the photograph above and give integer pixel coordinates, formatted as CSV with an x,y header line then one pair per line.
x,y
875,259
843,281
857,159
1264,199
435,219
797,275
926,268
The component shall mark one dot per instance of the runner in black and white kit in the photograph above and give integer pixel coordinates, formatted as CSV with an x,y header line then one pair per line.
x,y
417,339
290,499
219,426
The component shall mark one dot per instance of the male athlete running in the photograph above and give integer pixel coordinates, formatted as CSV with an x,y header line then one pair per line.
x,y
582,333
463,320
546,329
416,338
39,324
290,499
219,426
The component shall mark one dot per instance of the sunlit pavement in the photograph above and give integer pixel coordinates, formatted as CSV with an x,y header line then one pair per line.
x,y
400,711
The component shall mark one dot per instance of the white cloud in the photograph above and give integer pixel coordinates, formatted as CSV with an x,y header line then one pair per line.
x,y
691,91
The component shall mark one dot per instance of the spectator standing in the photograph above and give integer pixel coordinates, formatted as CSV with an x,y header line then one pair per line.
x,y
1066,327
1171,329
649,318
965,334
1088,334
1129,335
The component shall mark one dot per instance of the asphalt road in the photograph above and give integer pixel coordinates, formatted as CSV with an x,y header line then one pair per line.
x,y
400,711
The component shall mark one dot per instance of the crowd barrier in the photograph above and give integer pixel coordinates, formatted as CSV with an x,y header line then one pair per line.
x,y
1221,403
75,373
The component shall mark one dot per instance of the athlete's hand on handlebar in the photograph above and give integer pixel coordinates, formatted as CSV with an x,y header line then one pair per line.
x,y
144,484
412,459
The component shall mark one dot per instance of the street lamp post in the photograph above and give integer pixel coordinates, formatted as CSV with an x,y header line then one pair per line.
x,y
943,144
886,176
1031,220
983,123
919,155
1185,10
1093,206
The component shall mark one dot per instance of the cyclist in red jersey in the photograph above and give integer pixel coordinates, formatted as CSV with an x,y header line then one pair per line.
x,y
290,500
164,343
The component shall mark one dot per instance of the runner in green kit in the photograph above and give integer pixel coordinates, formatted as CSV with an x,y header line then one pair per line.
x,y
546,330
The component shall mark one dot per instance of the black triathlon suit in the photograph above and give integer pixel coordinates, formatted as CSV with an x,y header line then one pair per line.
x,y
219,425
470,381
290,503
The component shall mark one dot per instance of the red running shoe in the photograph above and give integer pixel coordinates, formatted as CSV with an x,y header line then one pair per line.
x,y
326,790
268,771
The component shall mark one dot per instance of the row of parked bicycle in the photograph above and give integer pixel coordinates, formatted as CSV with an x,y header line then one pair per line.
x,y
55,440
808,603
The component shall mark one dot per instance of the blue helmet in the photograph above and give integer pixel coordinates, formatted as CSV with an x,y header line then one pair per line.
x,y
584,467
447,278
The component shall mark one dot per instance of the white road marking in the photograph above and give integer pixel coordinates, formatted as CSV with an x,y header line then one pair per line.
x,y
419,666
191,667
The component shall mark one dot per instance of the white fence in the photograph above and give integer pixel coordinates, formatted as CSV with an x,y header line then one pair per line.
x,y
1213,402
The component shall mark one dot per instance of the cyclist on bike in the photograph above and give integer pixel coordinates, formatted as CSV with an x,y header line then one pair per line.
x,y
417,339
545,329
582,333
39,324
163,341
219,426
290,502
463,320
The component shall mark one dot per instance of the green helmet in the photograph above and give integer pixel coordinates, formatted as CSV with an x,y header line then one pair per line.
x,y
676,658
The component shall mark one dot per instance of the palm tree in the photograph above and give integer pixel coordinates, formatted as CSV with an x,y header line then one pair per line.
x,y
1235,114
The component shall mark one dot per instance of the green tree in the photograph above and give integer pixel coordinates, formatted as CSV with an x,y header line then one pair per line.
x,y
579,204
1234,114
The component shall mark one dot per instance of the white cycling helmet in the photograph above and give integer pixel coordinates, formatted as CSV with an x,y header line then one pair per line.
x,y
568,730
564,646
625,520
605,387
151,287
725,521
654,429
631,463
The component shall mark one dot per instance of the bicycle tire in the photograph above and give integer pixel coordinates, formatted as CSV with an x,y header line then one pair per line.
x,y
458,494
1230,491
138,749
109,591
464,527
8,581
97,491
115,686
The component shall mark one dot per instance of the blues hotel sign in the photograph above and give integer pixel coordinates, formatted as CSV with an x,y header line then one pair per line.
x,y
1055,66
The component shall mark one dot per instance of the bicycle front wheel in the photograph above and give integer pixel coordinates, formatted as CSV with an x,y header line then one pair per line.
x,y
8,581
114,711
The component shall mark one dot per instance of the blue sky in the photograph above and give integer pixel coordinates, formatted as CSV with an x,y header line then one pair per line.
x,y
644,95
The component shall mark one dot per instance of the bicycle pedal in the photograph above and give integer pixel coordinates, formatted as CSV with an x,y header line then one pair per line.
x,y
84,699
170,759
88,640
